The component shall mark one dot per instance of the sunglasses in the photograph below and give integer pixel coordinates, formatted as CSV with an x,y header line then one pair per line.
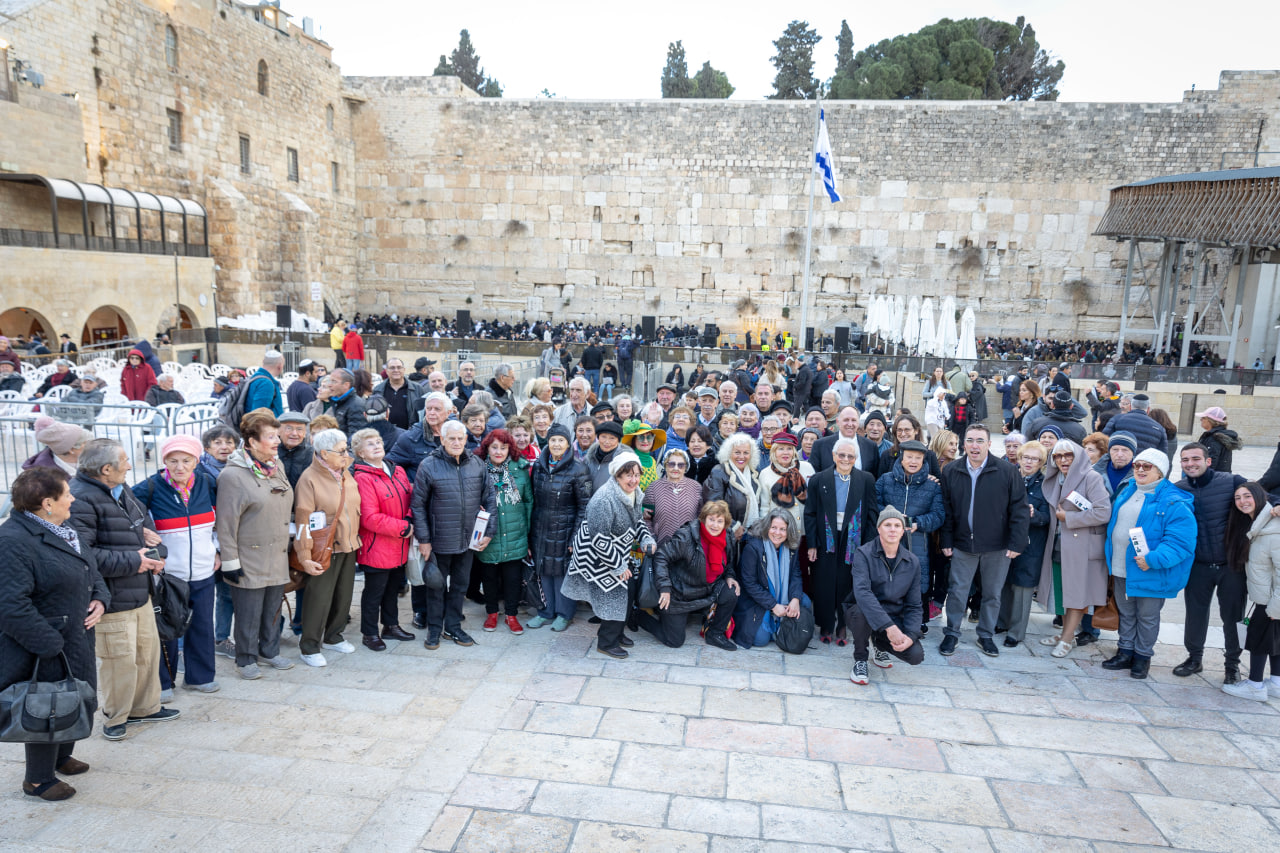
x,y
676,465
1064,456
1143,466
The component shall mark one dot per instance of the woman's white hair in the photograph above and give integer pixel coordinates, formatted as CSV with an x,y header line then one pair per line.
x,y
327,439
726,449
845,441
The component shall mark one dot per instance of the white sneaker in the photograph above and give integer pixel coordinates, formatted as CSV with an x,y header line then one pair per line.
x,y
315,660
1247,690
858,675
1273,688
344,647
882,659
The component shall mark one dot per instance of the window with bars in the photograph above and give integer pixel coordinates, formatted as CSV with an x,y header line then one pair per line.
x,y
175,130
171,47
291,157
246,160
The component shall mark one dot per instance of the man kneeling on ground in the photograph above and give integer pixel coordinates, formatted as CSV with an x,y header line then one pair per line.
x,y
886,599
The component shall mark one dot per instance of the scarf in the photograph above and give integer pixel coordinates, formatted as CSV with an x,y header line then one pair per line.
x,y
777,568
741,480
754,431
853,518
261,470
211,463
183,489
648,470
65,533
713,548
504,485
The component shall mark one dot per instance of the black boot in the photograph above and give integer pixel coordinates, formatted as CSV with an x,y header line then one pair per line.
x,y
1121,660
1140,667
1190,666
720,641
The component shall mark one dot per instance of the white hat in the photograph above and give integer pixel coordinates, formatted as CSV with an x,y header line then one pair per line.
x,y
1156,458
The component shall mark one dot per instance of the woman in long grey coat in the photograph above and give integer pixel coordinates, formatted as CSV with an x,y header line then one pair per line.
x,y
601,563
1074,572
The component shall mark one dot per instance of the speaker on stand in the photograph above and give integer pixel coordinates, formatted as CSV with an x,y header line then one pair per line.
x,y
842,339
284,317
808,339
464,323
649,328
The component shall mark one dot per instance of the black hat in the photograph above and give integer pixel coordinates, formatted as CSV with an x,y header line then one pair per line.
x,y
611,427
602,407
1062,398
813,409
669,387
780,405
913,445
375,405
560,430
874,415
422,362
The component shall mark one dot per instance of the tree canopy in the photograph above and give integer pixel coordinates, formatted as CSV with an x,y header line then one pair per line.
x,y
464,63
974,58
794,61
676,82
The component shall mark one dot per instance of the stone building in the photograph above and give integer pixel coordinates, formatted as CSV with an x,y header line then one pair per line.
x,y
413,195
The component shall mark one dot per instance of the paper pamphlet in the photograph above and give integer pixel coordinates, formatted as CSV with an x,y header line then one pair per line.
x,y
482,524
1080,501
1139,540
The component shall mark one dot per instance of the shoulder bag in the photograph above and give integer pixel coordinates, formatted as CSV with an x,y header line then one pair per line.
x,y
321,544
171,600
794,634
47,711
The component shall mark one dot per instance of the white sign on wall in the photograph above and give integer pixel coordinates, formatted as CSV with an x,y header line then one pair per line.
x,y
316,291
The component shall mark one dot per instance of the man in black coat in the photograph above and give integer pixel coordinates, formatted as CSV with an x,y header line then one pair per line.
x,y
1064,413
1139,424
1214,494
887,605
802,386
847,426
348,407
449,491
986,527
112,523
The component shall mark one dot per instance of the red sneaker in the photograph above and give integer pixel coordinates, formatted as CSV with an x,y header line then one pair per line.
x,y
514,624
491,622
934,610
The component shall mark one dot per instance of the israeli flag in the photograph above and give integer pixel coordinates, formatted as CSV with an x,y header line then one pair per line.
x,y
823,161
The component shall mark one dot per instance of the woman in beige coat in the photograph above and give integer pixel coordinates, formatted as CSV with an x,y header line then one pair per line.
x,y
324,489
1074,572
254,505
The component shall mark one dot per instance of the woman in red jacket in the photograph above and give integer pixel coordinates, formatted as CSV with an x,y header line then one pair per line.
x,y
137,377
386,533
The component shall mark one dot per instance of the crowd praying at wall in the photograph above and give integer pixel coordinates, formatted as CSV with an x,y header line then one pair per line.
x,y
776,501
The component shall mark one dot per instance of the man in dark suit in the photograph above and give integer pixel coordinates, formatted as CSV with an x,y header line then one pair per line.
x,y
847,426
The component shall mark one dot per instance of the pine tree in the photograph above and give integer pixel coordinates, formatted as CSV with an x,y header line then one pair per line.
x,y
794,61
710,83
675,74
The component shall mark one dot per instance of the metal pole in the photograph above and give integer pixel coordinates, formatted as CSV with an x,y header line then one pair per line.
x,y
808,225
1188,328
1124,310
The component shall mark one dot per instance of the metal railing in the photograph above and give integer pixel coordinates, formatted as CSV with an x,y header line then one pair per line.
x,y
48,240
141,429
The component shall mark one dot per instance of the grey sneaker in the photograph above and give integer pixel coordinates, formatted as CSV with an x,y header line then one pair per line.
x,y
227,648
207,687
250,671
1247,690
280,662
859,673
166,695
883,659
114,732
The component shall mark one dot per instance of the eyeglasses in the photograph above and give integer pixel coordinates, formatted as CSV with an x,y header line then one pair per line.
x,y
1143,466
846,456
339,452
1064,456
677,465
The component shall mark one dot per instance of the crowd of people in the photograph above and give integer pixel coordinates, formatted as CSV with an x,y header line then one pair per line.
x,y
1091,352
744,504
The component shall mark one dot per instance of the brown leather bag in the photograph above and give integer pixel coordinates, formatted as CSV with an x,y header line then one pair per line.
x,y
1107,617
321,545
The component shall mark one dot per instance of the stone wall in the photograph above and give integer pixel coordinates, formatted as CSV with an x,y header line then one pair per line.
x,y
41,131
695,210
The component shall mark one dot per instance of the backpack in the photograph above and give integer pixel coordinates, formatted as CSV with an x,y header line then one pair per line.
x,y
232,409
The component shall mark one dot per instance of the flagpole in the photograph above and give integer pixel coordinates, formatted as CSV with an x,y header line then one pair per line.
x,y
808,225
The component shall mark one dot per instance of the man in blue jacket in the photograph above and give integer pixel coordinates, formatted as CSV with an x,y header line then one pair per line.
x,y
1138,423
1214,492
263,391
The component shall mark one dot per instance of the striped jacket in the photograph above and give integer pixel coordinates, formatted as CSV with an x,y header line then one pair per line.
x,y
186,531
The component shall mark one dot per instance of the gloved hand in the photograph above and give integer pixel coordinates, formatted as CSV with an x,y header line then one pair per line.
x,y
233,577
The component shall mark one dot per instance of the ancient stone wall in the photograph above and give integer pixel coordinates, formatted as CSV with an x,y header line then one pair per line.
x,y
695,210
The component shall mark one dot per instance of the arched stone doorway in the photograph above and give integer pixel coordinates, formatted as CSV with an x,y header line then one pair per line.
x,y
105,324
25,322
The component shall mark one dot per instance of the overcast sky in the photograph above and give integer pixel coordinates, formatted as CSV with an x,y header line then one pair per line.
x,y
1118,50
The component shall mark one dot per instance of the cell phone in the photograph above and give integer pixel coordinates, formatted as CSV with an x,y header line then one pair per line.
x,y
152,554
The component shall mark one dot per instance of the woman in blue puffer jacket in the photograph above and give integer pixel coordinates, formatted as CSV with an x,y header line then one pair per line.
x,y
1166,518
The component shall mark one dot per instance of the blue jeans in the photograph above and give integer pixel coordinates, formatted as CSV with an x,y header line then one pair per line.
x,y
197,643
354,364
606,390
1139,622
222,609
764,634
558,604
593,376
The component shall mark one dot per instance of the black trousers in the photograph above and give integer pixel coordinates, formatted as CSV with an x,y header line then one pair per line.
x,y
44,758
610,634
502,581
444,606
1232,590
670,628
832,584
380,599
862,633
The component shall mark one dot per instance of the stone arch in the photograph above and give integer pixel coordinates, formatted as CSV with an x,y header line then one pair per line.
x,y
107,322
187,318
25,322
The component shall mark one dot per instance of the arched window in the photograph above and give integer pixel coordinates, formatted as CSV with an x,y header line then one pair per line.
x,y
171,47
328,116
263,78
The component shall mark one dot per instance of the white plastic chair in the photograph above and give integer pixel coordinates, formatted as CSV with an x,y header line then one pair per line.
x,y
129,427
57,392
195,418
171,367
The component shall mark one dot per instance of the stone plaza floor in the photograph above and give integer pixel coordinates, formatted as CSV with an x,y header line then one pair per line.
x,y
538,743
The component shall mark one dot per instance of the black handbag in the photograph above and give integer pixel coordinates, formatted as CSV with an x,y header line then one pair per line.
x,y
794,634
647,592
171,600
534,595
47,711
432,577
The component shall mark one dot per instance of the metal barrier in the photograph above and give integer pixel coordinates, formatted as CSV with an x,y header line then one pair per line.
x,y
141,429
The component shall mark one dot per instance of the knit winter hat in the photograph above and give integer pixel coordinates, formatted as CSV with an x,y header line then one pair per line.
x,y
60,437
888,513
1156,458
560,430
619,459
1123,439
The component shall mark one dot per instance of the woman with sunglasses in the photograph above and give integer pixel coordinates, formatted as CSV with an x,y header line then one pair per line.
x,y
1164,515
675,499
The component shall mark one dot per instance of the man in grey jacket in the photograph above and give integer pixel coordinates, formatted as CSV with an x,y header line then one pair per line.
x,y
449,491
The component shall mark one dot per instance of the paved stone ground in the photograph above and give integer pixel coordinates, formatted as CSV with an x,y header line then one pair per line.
x,y
538,743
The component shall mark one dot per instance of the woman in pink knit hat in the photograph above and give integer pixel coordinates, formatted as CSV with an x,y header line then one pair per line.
x,y
180,499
